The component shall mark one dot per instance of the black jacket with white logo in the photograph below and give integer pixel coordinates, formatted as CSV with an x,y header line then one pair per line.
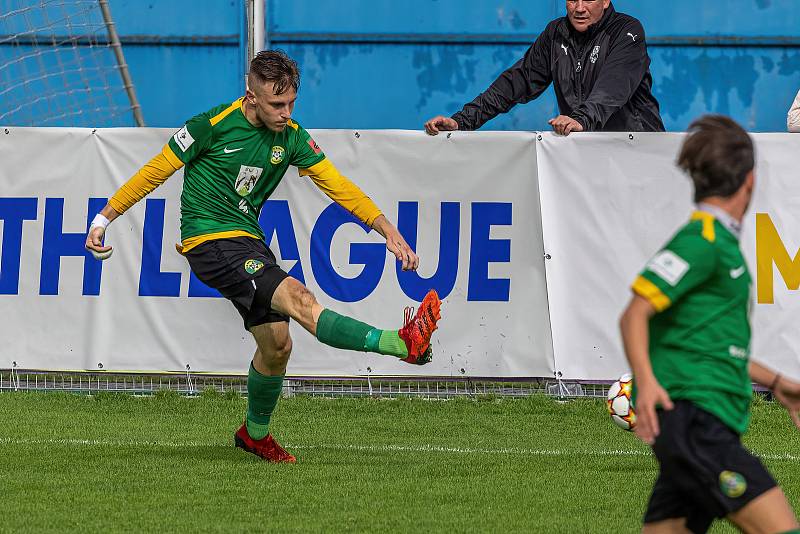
x,y
601,78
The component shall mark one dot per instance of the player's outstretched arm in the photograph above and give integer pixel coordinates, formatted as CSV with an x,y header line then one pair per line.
x,y
345,193
154,173
634,326
396,244
786,391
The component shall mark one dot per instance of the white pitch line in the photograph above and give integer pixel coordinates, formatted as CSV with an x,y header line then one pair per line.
x,y
462,450
364,448
105,443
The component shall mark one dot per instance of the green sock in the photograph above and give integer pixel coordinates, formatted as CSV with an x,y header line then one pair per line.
x,y
386,342
263,393
341,332
344,332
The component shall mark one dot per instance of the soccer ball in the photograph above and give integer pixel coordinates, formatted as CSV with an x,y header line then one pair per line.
x,y
619,403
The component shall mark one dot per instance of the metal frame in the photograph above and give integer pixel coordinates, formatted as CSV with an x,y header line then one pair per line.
x,y
116,46
521,39
256,31
190,384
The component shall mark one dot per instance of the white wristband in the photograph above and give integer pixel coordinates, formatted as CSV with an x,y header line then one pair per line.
x,y
100,220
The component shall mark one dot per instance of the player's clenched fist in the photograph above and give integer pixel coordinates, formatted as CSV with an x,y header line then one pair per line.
x,y
94,239
440,124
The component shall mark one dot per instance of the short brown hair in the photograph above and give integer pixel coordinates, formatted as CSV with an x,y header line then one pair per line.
x,y
276,67
718,155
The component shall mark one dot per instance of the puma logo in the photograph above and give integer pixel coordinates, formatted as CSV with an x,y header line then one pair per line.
x,y
565,49
633,36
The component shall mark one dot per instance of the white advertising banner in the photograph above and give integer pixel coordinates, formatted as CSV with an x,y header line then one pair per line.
x,y
468,202
532,241
610,201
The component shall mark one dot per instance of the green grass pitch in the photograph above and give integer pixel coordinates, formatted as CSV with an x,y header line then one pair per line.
x,y
115,463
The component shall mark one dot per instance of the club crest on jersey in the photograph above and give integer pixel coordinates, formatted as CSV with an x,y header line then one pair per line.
x,y
278,152
251,266
247,179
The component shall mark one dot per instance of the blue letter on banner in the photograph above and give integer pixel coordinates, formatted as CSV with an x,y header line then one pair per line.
x,y
275,218
199,289
153,282
371,255
444,279
56,244
12,212
484,251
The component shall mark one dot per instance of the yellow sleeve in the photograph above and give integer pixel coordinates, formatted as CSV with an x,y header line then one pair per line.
x,y
650,292
342,191
154,173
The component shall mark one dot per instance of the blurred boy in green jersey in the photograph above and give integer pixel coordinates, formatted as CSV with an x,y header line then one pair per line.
x,y
235,155
687,338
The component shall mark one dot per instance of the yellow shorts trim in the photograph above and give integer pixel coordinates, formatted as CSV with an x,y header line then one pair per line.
x,y
189,243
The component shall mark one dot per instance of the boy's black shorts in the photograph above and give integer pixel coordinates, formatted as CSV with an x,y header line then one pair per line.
x,y
244,271
705,471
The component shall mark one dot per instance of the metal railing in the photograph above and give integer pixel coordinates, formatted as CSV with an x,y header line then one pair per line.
x,y
195,383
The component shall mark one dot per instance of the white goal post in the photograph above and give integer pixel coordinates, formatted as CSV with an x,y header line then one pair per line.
x,y
256,27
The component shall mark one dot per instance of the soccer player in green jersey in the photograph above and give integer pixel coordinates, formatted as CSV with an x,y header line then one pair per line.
x,y
234,157
687,338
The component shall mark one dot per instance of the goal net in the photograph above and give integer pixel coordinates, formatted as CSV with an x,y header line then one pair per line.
x,y
61,64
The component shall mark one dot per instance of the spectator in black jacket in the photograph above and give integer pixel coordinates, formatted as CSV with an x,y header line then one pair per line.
x,y
597,61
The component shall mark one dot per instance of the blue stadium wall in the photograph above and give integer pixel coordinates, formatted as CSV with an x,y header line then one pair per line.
x,y
390,64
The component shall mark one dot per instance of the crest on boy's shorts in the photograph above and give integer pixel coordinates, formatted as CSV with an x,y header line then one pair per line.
x,y
278,152
251,266
247,179
732,484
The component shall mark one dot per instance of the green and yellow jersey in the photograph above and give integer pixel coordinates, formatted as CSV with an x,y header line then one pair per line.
x,y
232,167
699,285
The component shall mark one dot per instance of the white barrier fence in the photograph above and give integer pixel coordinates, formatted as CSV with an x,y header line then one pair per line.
x,y
513,263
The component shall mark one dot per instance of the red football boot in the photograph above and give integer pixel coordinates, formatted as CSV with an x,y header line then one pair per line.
x,y
267,448
417,331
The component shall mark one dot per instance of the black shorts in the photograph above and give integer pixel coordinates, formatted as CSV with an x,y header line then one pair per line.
x,y
244,271
705,471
